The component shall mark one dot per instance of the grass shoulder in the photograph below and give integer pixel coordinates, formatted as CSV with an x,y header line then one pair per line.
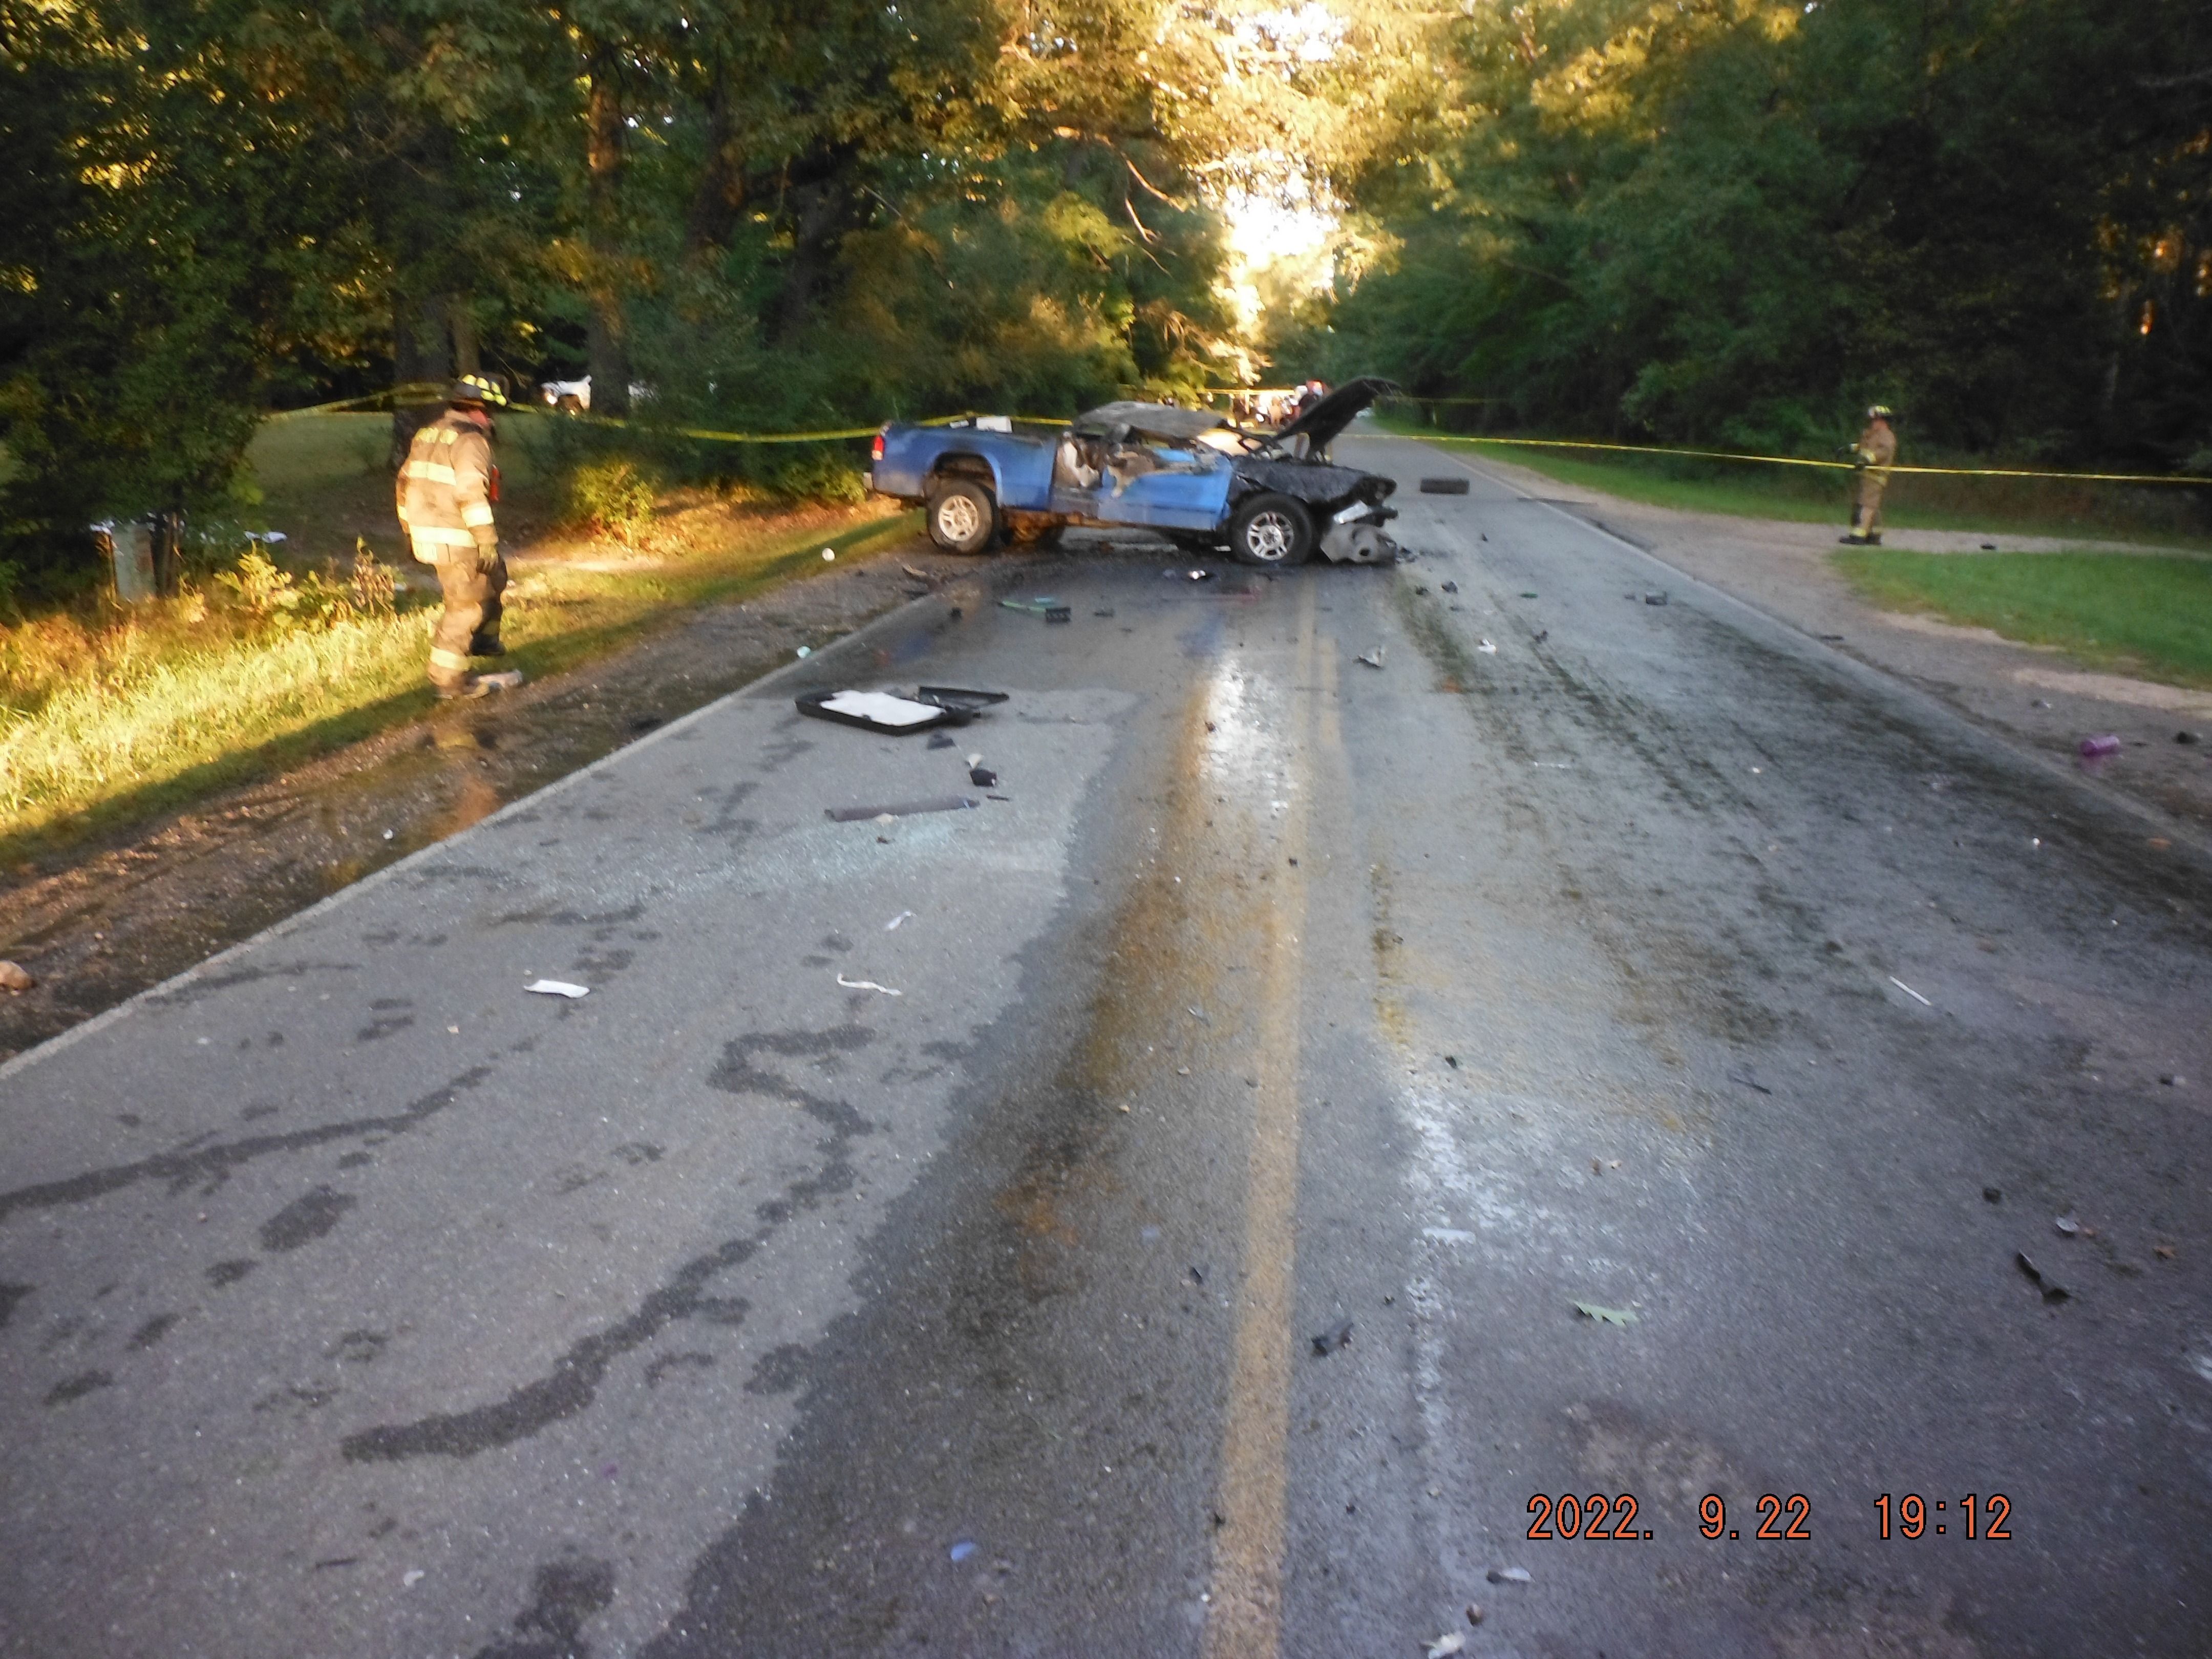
x,y
2148,614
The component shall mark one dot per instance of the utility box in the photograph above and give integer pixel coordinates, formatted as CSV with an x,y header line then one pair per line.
x,y
129,549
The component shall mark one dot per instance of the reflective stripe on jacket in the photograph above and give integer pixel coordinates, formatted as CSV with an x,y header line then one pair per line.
x,y
1876,452
444,492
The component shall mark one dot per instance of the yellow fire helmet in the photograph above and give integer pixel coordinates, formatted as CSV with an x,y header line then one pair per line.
x,y
1881,413
476,389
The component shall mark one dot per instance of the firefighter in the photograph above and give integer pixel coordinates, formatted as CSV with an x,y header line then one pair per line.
x,y
446,491
1873,456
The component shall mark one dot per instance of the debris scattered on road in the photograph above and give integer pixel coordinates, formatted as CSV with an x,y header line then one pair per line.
x,y
1036,606
411,1577
1605,1315
1451,588
903,809
1508,1574
2052,1290
14,978
2103,746
1992,1195
867,985
1474,1612
1108,612
892,926
1743,1074
1336,1336
2187,737
1910,992
1450,1641
982,776
873,711
558,987
1059,613
506,680
2163,1252
1443,486
1656,598
1989,547
1374,659
1448,1235
2173,1080
1487,649
805,650
963,1550
1452,1061
941,740
2066,1226
963,702
1198,1274
1831,639
919,575
828,554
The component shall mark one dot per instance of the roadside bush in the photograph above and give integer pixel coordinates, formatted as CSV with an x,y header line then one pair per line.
x,y
611,496
818,475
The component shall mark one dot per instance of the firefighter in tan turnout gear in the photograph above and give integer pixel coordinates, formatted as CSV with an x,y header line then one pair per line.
x,y
446,492
1874,454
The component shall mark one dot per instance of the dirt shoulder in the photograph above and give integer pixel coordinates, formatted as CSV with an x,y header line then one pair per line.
x,y
2032,696
107,918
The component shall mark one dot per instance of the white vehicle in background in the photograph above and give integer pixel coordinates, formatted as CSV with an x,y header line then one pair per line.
x,y
576,395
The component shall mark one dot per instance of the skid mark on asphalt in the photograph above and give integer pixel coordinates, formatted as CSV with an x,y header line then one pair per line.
x,y
1247,1609
574,1382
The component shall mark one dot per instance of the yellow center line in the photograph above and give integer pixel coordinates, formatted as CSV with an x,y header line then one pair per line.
x,y
1245,1620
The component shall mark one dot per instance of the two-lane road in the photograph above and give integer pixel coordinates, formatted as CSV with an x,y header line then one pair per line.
x,y
1646,958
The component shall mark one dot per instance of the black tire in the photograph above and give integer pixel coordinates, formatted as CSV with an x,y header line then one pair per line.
x,y
1270,531
963,517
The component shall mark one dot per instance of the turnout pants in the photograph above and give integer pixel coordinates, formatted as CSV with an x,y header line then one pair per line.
x,y
1866,502
469,626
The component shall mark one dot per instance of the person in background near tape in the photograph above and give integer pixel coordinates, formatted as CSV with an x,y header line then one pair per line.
x,y
1872,455
446,492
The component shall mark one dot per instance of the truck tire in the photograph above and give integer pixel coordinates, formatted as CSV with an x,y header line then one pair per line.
x,y
1270,531
963,517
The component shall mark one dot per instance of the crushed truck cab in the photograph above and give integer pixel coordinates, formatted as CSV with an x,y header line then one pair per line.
x,y
1271,498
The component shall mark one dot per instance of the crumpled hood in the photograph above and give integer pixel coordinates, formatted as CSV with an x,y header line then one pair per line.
x,y
1323,423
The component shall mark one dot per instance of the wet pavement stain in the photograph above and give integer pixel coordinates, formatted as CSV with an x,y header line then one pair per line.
x,y
564,1594
77,1387
182,1168
11,1297
574,1383
305,1219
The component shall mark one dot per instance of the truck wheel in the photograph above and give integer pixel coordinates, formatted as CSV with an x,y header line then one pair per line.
x,y
1270,530
963,517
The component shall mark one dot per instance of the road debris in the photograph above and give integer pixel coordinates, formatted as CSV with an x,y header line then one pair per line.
x,y
2173,1080
963,1550
1743,1074
892,926
16,979
1992,1195
873,711
1448,1235
2103,746
2187,737
902,809
867,985
411,1577
1487,649
1036,606
1108,612
942,740
1336,1336
558,987
506,680
2051,1289
1910,992
982,776
1474,1612
919,575
1508,1574
1449,1642
1605,1315
1451,588
2066,1226
1374,659
829,554
1443,486
1659,598
806,650
2163,1252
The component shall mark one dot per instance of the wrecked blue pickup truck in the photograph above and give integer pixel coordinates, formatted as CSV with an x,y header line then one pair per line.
x,y
1270,498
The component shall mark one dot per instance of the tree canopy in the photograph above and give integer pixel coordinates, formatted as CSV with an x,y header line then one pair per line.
x,y
1710,219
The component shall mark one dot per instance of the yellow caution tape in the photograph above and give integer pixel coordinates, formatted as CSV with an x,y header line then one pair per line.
x,y
1792,460
424,393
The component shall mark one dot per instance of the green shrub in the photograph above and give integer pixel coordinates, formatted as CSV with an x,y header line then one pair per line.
x,y
818,475
611,496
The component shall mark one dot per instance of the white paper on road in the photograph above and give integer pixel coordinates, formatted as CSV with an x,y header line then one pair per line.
x,y
881,707
558,987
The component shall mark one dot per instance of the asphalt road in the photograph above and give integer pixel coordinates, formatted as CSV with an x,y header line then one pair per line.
x,y
1647,958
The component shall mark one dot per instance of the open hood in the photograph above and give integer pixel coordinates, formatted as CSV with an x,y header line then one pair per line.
x,y
1334,412
1152,420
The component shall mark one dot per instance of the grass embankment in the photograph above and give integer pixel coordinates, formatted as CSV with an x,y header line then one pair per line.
x,y
2162,515
109,714
2146,614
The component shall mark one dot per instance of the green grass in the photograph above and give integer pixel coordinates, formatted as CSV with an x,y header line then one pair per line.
x,y
110,717
2148,615
2161,515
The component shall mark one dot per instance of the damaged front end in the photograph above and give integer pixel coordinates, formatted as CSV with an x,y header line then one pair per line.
x,y
1346,504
